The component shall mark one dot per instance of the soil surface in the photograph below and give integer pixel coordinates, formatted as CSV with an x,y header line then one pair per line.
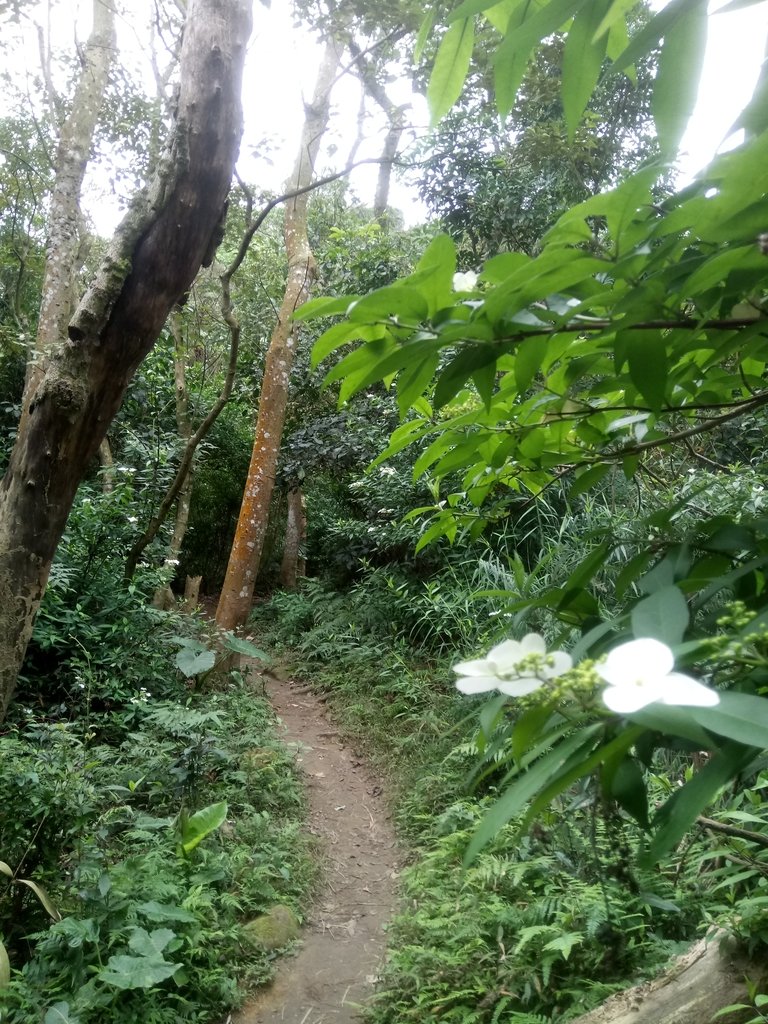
x,y
334,969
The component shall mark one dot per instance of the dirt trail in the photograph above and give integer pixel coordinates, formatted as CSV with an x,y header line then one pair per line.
x,y
342,941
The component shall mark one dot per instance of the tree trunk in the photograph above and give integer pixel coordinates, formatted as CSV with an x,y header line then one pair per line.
x,y
294,565
245,557
64,221
164,595
396,116
107,466
192,592
171,230
710,976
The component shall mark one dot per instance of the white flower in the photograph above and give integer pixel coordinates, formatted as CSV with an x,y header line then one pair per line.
x,y
464,282
514,667
640,673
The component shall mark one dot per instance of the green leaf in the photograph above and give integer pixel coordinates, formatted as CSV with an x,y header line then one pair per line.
x,y
324,306
672,721
43,896
634,567
647,352
152,943
616,12
738,716
526,786
577,769
491,714
627,787
425,31
683,807
587,479
553,271
500,13
582,59
59,1014
130,972
644,41
191,664
619,206
564,943
528,358
340,334
461,367
527,729
469,8
5,966
434,272
154,911
414,380
677,78
715,270
484,379
664,615
588,566
245,647
201,824
451,68
400,301
528,25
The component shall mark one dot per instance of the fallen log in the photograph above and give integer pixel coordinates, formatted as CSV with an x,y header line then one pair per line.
x,y
709,976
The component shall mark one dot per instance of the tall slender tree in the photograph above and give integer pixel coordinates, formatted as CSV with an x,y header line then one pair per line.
x,y
171,229
244,559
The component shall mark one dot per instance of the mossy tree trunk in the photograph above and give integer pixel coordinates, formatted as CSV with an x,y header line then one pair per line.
x,y
170,230
245,556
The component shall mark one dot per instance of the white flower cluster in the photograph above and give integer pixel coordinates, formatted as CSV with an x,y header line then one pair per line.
x,y
637,673
513,667
464,282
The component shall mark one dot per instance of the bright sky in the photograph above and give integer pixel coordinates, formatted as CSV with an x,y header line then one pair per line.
x,y
283,63
735,50
736,47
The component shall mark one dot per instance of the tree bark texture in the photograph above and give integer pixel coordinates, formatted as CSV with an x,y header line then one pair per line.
x,y
107,466
294,565
708,977
171,230
245,557
64,222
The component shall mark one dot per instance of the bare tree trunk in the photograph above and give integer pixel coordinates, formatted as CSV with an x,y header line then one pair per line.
x,y
294,564
65,219
107,466
245,557
710,976
171,229
192,592
396,117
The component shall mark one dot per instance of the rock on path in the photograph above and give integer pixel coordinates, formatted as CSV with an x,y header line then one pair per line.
x,y
343,939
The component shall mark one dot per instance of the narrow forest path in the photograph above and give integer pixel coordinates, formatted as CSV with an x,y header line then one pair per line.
x,y
343,938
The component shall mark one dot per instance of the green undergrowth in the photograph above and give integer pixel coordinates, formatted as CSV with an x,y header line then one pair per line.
x,y
538,928
158,829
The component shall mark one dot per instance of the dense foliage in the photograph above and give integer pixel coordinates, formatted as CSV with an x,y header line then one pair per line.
x,y
567,443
